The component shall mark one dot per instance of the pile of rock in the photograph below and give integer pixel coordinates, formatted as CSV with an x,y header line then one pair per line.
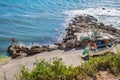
x,y
15,50
76,25
86,22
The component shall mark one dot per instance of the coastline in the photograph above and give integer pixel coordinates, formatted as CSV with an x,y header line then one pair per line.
x,y
69,57
79,26
70,49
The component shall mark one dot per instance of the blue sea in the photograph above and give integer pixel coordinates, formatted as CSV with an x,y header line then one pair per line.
x,y
44,21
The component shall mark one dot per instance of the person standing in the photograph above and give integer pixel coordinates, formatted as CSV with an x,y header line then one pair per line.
x,y
13,40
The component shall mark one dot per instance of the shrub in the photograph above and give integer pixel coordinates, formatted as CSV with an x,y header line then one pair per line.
x,y
110,63
48,71
56,70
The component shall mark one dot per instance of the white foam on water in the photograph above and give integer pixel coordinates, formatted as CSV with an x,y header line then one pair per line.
x,y
110,16
29,45
94,12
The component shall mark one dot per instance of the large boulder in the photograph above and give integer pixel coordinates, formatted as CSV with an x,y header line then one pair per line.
x,y
36,49
71,43
52,47
89,18
12,52
16,50
61,45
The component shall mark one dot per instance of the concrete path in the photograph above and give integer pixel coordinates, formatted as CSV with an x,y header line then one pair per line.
x,y
70,57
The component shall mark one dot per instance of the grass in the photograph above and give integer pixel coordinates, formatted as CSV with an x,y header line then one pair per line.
x,y
4,59
57,70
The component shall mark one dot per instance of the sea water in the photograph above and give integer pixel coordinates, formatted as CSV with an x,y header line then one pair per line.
x,y
44,21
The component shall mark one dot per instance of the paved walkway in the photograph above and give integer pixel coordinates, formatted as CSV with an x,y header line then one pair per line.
x,y
70,57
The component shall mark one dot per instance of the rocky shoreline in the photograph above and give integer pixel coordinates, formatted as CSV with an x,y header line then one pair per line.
x,y
77,25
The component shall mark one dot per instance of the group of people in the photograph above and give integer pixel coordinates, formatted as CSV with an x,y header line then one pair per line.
x,y
90,47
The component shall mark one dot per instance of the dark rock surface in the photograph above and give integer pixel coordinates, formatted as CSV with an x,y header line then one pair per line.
x,y
15,50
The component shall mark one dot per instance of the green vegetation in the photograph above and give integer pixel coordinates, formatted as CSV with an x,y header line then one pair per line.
x,y
48,71
3,58
96,32
56,70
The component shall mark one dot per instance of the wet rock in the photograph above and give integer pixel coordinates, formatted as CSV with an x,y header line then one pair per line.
x,y
12,51
15,50
69,28
103,8
68,38
34,47
52,47
77,24
34,51
71,43
45,48
62,46
37,49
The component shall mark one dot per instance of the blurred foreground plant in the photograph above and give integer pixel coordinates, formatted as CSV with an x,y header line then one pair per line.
x,y
57,70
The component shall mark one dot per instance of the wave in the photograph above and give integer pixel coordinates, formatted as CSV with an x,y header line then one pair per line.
x,y
28,45
42,21
110,16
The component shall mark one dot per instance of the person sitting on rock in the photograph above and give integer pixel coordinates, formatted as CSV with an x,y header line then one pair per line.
x,y
94,46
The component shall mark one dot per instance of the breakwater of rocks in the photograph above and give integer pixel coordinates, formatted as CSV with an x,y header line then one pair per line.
x,y
77,25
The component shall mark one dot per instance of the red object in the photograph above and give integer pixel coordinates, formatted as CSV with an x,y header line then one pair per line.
x,y
95,45
13,40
